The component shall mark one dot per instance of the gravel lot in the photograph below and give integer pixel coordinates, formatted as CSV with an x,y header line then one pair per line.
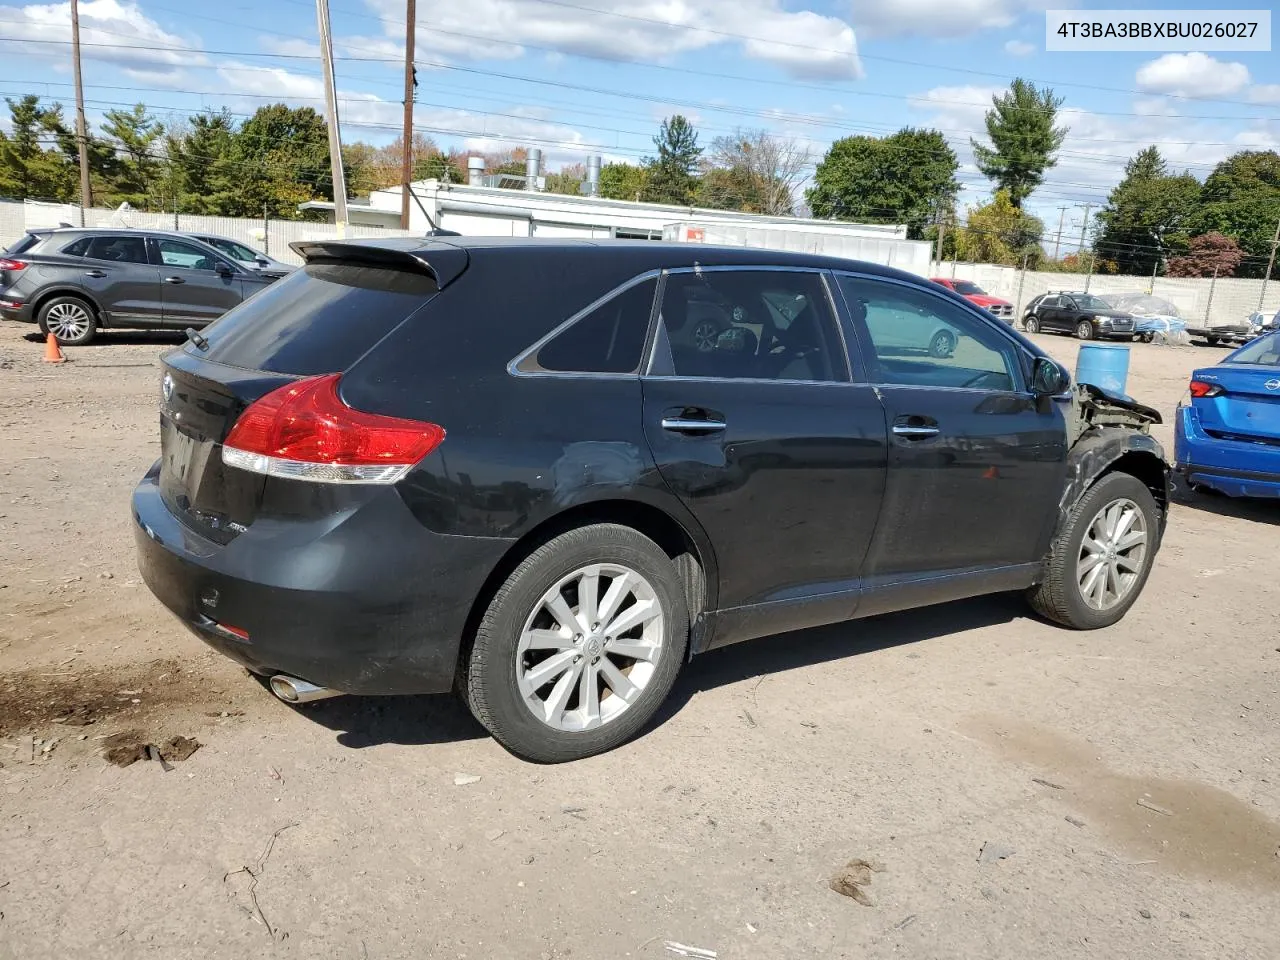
x,y
1131,772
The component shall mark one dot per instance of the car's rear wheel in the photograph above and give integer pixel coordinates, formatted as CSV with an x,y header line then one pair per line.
x,y
1103,555
1084,330
942,344
1031,325
70,320
579,646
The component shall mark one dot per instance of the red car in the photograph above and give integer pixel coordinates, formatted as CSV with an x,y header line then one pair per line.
x,y
979,297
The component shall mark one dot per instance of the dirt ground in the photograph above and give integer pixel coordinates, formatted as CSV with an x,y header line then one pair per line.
x,y
1129,776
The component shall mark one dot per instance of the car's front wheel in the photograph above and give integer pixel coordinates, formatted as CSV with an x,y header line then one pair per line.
x,y
1031,324
1084,330
942,344
1102,556
70,320
579,646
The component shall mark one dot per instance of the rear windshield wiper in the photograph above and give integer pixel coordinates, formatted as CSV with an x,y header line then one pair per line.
x,y
194,337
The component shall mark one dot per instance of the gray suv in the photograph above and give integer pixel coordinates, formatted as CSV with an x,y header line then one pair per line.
x,y
74,282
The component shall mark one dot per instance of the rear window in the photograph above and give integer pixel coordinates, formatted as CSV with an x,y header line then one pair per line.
x,y
25,244
319,319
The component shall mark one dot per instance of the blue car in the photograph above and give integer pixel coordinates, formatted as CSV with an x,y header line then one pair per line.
x,y
1227,436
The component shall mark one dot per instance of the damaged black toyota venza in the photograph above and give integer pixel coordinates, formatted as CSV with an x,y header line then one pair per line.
x,y
517,469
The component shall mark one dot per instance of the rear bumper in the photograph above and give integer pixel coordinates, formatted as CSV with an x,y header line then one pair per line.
x,y
22,314
371,604
1233,467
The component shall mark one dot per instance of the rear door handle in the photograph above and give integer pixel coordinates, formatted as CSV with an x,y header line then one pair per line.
x,y
174,280
914,433
95,273
691,425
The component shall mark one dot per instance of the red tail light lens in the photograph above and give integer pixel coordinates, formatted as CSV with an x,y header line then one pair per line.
x,y
13,266
304,431
1201,389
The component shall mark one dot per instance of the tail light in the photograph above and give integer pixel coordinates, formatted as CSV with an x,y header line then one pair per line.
x,y
304,431
12,266
1201,389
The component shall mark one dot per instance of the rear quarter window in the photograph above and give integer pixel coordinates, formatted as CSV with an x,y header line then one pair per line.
x,y
320,319
608,339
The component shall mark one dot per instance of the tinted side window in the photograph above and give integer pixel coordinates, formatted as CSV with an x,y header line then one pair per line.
x,y
118,249
319,319
77,249
752,324
919,339
25,244
175,253
609,339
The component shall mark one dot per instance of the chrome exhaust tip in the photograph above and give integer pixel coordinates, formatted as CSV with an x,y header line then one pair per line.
x,y
292,690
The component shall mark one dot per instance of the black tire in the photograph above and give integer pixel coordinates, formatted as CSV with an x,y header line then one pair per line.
x,y
1084,330
1211,341
72,320
1031,325
942,344
490,686
1059,597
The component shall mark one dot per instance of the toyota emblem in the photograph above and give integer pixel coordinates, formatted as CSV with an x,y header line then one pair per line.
x,y
166,387
1272,384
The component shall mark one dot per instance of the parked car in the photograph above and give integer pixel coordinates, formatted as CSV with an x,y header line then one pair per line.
x,y
1262,321
1152,316
244,255
979,297
1087,316
1227,433
75,282
499,466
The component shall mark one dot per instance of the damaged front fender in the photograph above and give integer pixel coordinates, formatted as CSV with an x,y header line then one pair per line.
x,y
1102,450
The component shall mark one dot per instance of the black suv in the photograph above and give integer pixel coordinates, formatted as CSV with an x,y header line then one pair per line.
x,y
506,467
1087,316
75,282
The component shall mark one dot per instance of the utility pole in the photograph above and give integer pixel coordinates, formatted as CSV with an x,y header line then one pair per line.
x,y
410,82
335,135
1271,261
941,227
1062,212
82,139
1084,227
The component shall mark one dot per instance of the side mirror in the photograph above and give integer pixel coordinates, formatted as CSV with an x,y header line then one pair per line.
x,y
223,268
264,262
1048,377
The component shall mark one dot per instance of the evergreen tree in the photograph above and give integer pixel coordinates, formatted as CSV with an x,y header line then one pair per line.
x,y
1024,141
671,173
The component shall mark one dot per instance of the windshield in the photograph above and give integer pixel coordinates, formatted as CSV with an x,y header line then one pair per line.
x,y
968,288
235,250
1087,301
1264,351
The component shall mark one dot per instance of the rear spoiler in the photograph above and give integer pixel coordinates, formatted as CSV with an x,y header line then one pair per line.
x,y
442,263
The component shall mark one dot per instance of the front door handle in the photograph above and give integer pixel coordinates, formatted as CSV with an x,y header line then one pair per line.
x,y
914,433
691,425
174,280
95,273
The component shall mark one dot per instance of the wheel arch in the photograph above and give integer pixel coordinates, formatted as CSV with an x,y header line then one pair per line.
x,y
66,291
692,555
1115,450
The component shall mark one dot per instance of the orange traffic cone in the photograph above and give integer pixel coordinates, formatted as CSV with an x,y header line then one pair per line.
x,y
53,352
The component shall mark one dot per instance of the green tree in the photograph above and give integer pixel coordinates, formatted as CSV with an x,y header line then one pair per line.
x,y
568,181
282,157
671,173
1024,141
998,232
135,135
1147,214
1241,199
202,157
623,181
31,165
908,177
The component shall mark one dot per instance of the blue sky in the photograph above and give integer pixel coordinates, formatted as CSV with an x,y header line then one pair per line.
x,y
585,76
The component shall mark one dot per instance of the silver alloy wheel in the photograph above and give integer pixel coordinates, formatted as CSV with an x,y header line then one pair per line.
x,y
590,647
68,321
1112,554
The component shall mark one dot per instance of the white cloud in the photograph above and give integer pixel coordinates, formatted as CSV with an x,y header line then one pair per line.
x,y
1154,107
110,31
942,18
802,43
1265,93
1019,48
1192,75
289,47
